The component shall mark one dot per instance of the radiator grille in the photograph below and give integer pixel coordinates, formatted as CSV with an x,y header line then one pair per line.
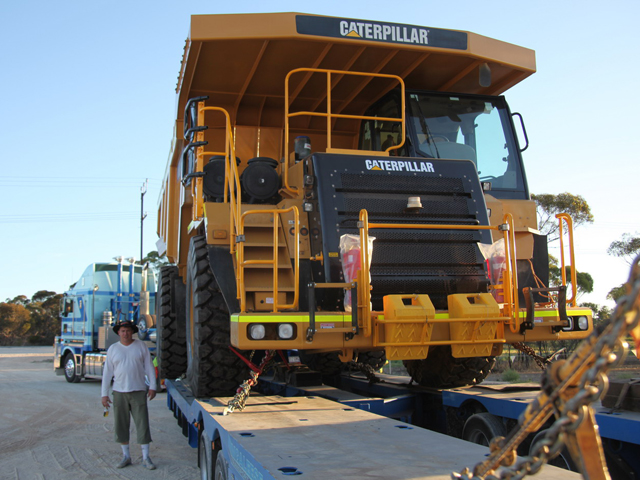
x,y
406,260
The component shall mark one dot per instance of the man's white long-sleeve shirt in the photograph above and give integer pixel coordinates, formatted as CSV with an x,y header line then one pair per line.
x,y
128,365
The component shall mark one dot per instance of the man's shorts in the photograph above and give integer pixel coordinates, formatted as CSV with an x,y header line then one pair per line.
x,y
125,406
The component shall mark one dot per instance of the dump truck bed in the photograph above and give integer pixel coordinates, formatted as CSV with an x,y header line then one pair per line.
x,y
256,51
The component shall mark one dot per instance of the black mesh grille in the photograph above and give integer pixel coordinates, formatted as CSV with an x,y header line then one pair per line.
x,y
406,260
384,183
394,205
423,253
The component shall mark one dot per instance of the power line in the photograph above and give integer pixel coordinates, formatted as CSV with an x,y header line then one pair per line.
x,y
72,182
68,217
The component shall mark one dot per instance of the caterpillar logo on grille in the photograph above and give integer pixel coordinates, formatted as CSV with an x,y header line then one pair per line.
x,y
399,166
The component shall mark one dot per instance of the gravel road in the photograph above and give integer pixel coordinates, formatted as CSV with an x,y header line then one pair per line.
x,y
54,430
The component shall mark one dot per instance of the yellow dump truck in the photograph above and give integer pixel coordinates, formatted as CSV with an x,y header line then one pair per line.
x,y
355,190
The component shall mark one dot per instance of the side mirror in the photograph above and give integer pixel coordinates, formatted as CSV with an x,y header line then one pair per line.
x,y
524,131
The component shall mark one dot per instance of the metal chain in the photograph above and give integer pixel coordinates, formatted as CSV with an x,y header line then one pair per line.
x,y
593,383
365,368
541,361
238,402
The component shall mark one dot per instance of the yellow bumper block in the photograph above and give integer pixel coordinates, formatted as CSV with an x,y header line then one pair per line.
x,y
480,306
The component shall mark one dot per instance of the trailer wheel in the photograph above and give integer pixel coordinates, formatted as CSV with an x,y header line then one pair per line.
x,y
221,467
563,460
376,359
481,428
441,370
205,457
327,363
70,368
171,343
213,369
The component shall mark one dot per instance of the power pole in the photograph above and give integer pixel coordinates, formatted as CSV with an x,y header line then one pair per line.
x,y
143,215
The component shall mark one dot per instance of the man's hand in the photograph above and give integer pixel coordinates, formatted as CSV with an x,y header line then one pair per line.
x,y
151,394
105,402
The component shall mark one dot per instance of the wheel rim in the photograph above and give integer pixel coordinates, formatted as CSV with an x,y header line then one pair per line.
x,y
480,438
70,367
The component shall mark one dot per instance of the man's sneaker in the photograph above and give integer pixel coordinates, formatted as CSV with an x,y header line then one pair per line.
x,y
124,462
148,464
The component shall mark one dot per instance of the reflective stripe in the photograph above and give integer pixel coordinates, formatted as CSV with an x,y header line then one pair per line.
x,y
239,318
554,313
341,317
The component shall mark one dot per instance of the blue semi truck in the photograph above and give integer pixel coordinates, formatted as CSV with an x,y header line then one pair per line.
x,y
105,294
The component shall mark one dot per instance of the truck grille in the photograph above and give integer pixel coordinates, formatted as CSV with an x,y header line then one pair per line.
x,y
406,261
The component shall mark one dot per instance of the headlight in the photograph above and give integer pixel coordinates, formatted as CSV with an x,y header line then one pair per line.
x,y
583,323
285,331
153,337
257,331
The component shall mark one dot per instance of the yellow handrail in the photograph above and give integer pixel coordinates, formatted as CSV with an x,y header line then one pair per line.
x,y
330,115
510,288
231,180
232,196
364,282
242,263
511,304
574,280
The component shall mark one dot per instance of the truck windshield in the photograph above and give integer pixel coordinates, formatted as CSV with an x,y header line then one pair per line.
x,y
471,128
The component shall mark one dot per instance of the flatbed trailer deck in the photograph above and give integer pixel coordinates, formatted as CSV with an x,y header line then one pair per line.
x,y
317,438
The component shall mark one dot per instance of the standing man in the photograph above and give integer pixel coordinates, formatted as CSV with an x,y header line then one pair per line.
x,y
128,361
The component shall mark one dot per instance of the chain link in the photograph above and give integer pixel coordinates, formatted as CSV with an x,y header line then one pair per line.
x,y
365,368
541,361
598,351
238,402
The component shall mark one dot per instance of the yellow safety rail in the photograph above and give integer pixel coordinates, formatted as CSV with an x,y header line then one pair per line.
x,y
330,115
232,178
242,263
511,304
232,195
566,218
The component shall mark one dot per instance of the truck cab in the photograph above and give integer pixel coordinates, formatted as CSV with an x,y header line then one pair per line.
x,y
105,294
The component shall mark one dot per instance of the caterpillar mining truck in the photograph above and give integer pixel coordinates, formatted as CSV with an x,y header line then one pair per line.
x,y
353,190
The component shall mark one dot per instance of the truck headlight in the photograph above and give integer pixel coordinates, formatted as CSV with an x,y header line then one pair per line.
x,y
285,331
583,323
257,331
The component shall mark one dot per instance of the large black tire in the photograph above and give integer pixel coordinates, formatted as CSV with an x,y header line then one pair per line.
x,y
563,460
375,359
441,370
205,457
325,363
483,427
221,467
171,341
213,369
69,364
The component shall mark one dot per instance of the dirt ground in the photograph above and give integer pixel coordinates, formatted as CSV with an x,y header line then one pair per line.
x,y
54,430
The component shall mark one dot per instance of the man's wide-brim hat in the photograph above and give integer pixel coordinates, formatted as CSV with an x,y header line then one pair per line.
x,y
129,324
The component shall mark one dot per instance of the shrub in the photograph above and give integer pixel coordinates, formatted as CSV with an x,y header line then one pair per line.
x,y
510,375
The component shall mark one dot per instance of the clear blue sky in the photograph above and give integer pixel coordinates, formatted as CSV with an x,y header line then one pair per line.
x,y
87,107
